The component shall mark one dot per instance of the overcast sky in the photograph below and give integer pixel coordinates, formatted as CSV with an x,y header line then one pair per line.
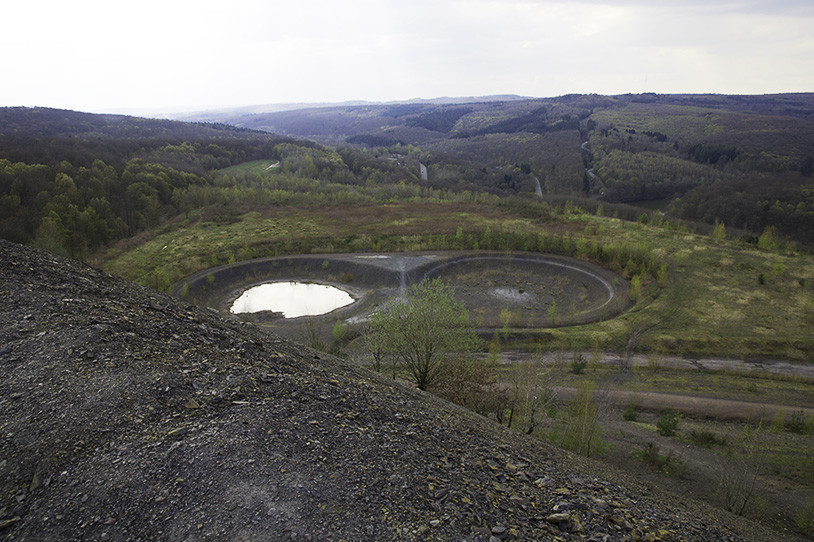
x,y
149,55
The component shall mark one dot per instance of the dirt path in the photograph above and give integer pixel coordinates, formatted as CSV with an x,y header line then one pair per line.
x,y
772,366
728,409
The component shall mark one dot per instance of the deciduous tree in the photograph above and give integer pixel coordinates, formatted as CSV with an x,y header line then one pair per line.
x,y
425,328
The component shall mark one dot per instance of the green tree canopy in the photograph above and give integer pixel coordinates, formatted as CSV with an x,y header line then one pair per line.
x,y
424,328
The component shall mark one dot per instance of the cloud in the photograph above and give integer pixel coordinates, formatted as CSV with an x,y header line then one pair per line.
x,y
94,55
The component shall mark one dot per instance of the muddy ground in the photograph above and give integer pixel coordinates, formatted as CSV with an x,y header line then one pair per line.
x,y
498,289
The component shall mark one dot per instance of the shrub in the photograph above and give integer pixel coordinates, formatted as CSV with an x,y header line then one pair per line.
x,y
661,275
340,331
668,423
707,439
798,423
805,518
635,290
578,364
778,422
669,465
631,413
552,313
581,432
719,232
738,474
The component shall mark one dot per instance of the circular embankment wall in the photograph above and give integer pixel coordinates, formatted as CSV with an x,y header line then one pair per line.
x,y
523,291
531,291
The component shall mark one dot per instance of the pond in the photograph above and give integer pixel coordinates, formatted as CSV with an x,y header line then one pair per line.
x,y
292,299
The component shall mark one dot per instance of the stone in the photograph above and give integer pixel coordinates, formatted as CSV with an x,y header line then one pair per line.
x,y
558,518
9,522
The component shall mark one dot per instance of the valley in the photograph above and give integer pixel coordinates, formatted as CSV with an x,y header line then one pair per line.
x,y
637,269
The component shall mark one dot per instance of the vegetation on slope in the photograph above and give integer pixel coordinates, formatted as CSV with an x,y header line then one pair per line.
x,y
155,201
636,148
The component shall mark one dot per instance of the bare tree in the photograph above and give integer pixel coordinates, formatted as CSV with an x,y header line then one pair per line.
x,y
667,309
532,392
738,473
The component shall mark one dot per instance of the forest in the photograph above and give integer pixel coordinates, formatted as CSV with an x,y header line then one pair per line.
x,y
681,154
74,182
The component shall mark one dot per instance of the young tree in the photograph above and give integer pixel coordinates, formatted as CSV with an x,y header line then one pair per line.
x,y
582,432
738,474
425,328
532,392
377,342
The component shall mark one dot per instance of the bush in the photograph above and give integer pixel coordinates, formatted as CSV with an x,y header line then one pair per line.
x,y
707,439
668,423
805,518
340,331
581,432
578,364
799,424
669,465
631,413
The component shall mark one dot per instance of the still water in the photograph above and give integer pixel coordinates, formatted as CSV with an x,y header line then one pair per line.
x,y
292,299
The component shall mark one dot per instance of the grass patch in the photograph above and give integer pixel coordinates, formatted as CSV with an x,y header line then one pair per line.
x,y
706,439
722,312
631,413
667,464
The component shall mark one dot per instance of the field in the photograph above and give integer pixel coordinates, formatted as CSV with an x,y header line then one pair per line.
x,y
741,441
705,296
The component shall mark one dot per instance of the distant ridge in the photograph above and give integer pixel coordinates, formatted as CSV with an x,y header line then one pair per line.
x,y
212,114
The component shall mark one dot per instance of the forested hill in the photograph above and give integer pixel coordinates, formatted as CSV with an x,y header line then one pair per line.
x,y
74,182
47,122
746,161
48,136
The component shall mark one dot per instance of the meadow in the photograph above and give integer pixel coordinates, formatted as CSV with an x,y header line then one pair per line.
x,y
694,294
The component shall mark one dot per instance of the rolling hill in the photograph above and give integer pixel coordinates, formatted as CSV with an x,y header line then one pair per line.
x,y
746,161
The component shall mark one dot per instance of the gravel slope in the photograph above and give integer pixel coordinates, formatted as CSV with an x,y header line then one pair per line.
x,y
128,415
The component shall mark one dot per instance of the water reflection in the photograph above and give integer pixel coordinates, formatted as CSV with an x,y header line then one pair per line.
x,y
292,299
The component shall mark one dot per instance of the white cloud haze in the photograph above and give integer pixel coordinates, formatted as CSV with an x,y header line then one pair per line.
x,y
150,55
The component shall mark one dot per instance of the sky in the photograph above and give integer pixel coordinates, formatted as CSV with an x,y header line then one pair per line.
x,y
152,56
